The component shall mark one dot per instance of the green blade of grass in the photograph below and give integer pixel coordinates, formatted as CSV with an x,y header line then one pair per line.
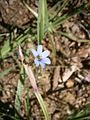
x,y
6,71
83,114
19,94
22,38
57,8
43,107
42,22
27,105
73,37
67,16
35,90
30,9
5,49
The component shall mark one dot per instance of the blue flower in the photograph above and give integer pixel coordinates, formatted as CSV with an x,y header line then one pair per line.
x,y
41,57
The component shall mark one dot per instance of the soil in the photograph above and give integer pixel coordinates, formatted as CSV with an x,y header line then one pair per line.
x,y
65,84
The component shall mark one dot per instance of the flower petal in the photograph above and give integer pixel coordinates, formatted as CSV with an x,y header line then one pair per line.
x,y
36,62
34,52
45,54
46,61
42,65
39,49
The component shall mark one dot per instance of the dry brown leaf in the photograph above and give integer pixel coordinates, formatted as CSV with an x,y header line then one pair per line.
x,y
68,72
56,77
84,52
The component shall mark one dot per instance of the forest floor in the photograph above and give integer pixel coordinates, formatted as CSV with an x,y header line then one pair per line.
x,y
65,84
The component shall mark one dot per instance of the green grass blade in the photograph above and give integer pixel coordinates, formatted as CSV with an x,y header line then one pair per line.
x,y
6,71
42,24
27,105
31,10
83,114
19,94
67,16
57,8
22,38
35,89
41,102
5,49
73,37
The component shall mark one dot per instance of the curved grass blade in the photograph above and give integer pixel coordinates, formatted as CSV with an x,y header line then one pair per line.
x,y
36,91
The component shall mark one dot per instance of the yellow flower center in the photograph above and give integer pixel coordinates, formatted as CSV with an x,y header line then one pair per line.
x,y
39,57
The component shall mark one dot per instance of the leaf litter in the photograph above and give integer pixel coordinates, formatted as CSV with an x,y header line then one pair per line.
x,y
63,85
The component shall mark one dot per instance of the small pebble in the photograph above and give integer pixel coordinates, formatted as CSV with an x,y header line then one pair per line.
x,y
80,102
70,83
86,95
77,106
61,85
49,46
83,104
84,100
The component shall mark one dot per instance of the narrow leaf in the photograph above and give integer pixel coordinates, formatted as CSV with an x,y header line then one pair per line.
x,y
68,15
6,71
5,49
19,94
42,24
36,91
